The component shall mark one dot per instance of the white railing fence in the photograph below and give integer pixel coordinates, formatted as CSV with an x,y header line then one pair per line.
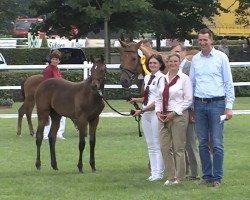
x,y
86,71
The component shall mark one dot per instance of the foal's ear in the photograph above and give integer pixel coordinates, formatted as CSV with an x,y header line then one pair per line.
x,y
102,58
122,37
130,38
91,58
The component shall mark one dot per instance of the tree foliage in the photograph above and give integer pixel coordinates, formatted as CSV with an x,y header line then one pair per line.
x,y
243,12
175,19
10,9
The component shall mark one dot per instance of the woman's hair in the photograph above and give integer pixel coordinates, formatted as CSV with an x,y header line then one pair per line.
x,y
174,54
160,60
56,54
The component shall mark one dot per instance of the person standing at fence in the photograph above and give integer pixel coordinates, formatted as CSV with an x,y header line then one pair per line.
x,y
211,78
52,71
223,47
171,106
155,65
192,153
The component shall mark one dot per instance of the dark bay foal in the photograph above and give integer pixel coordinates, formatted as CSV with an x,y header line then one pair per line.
x,y
81,102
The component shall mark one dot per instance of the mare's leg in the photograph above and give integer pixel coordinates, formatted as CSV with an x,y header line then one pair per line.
x,y
55,119
42,118
82,127
92,139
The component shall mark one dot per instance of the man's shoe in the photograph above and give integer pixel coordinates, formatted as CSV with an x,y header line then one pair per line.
x,y
216,184
206,182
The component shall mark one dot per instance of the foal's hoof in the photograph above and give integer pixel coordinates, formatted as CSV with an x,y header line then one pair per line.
x,y
54,167
38,166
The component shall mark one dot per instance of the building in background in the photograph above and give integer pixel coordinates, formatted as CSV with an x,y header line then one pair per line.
x,y
224,24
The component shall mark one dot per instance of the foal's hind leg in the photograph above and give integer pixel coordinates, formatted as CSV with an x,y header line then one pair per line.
x,y
92,140
55,118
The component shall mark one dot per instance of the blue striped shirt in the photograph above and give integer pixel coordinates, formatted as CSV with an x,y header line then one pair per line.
x,y
211,76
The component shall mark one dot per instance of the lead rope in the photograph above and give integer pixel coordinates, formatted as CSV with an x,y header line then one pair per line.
x,y
137,118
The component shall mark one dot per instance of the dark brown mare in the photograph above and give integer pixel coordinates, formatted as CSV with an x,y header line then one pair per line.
x,y
28,89
81,102
130,62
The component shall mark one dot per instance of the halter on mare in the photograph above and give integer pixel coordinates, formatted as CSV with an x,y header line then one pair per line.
x,y
130,63
131,73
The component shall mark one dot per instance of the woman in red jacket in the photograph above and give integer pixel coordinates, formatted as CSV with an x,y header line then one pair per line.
x,y
52,71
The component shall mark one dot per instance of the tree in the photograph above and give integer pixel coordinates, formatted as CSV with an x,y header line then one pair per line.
x,y
242,12
163,19
10,9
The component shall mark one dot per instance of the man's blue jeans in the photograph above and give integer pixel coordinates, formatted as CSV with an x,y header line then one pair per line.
x,y
207,121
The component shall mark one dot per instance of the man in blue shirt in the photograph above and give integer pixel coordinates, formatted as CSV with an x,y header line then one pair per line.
x,y
211,77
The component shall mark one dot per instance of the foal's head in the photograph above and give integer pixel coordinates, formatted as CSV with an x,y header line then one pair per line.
x,y
98,73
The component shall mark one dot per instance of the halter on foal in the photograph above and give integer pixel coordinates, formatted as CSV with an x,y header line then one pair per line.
x,y
81,102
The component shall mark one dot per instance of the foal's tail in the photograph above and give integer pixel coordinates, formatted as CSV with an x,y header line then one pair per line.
x,y
22,89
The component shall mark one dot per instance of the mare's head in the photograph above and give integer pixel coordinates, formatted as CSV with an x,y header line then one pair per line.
x,y
130,62
98,73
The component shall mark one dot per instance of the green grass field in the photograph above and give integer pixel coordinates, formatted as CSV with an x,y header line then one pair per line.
x,y
121,162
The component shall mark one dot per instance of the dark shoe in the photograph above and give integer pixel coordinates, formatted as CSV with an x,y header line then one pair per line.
x,y
193,178
216,184
206,182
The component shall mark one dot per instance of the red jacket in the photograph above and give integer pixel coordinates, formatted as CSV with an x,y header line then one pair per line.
x,y
51,72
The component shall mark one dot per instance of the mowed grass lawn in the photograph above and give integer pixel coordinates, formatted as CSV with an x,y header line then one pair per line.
x,y
121,161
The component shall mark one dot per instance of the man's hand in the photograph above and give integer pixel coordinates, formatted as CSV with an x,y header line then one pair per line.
x,y
228,113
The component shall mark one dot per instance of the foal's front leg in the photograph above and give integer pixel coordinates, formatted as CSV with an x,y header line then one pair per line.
x,y
39,139
55,118
92,140
82,134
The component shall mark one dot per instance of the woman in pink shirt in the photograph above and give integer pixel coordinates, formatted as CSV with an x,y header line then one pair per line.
x,y
171,106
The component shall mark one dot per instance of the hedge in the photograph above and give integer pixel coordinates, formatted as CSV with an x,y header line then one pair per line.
x,y
36,56
15,78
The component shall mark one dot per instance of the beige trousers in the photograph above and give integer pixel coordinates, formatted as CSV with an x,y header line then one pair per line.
x,y
173,141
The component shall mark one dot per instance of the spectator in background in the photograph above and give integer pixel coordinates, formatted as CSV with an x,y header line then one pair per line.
x,y
223,47
147,43
244,54
52,71
192,153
